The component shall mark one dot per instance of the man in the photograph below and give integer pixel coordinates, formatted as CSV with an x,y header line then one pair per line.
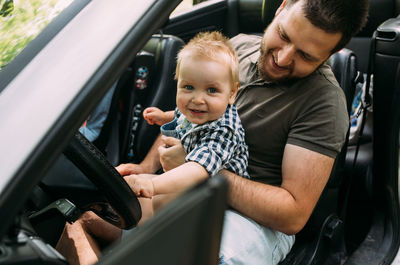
x,y
295,120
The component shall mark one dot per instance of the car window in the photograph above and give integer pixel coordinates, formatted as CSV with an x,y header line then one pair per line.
x,y
21,21
185,5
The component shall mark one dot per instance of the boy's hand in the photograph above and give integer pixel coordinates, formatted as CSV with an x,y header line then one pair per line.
x,y
154,115
141,185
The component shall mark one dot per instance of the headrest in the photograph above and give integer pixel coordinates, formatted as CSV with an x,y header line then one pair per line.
x,y
269,8
379,12
255,15
345,68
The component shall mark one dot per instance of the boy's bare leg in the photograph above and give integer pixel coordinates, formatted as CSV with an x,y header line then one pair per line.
x,y
161,200
147,209
79,241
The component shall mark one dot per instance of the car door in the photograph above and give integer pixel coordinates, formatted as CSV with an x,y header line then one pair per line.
x,y
49,89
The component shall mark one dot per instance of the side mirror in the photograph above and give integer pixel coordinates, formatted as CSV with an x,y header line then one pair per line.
x,y
6,8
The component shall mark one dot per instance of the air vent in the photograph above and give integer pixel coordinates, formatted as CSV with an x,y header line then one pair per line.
x,y
386,35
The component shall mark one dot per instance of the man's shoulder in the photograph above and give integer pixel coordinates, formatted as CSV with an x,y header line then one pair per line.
x,y
321,79
321,87
248,51
325,72
245,41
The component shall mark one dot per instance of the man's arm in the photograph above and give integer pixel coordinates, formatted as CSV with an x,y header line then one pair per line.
x,y
149,165
288,207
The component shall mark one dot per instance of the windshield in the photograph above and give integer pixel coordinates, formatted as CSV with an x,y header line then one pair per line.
x,y
21,21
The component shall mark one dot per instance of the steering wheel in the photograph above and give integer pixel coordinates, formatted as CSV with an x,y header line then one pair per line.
x,y
121,207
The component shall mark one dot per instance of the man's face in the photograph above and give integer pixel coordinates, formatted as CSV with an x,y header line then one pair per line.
x,y
292,47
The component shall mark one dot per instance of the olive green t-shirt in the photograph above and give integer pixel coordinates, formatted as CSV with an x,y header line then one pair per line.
x,y
309,112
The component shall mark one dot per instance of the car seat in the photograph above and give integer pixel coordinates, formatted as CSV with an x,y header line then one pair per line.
x,y
322,237
380,11
148,81
376,168
344,66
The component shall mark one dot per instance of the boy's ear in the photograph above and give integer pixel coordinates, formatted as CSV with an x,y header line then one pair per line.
x,y
233,93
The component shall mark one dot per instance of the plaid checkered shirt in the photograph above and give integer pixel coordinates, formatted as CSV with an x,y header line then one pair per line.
x,y
214,145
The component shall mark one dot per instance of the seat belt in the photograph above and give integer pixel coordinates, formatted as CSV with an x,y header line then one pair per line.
x,y
366,103
137,102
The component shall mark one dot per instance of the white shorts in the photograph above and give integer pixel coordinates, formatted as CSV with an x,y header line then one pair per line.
x,y
246,242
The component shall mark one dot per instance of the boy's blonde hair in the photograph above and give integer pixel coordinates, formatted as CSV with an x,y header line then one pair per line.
x,y
214,46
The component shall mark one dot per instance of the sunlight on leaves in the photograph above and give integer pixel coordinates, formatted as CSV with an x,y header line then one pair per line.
x,y
25,21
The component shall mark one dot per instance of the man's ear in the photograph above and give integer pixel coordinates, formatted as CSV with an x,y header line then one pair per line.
x,y
233,93
280,7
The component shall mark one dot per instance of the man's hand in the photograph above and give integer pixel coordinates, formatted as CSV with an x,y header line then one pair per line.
x,y
141,185
129,169
171,153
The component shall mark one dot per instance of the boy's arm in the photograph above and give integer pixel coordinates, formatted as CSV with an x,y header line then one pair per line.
x,y
173,181
169,115
156,116
179,178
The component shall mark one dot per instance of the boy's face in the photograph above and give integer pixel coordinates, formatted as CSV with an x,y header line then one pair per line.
x,y
292,47
204,89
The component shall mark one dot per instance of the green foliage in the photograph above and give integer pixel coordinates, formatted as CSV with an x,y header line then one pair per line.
x,y
6,7
24,23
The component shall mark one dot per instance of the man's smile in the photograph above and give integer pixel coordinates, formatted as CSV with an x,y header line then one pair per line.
x,y
276,66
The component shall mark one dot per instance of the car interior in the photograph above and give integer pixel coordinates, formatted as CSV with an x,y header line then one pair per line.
x,y
344,216
356,220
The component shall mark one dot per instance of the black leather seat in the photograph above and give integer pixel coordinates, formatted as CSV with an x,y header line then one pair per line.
x,y
162,89
344,66
380,11
322,237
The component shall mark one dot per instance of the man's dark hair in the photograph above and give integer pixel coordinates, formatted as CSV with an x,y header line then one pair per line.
x,y
345,16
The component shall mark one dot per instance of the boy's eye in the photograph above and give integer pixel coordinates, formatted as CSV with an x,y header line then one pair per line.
x,y
189,87
212,90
